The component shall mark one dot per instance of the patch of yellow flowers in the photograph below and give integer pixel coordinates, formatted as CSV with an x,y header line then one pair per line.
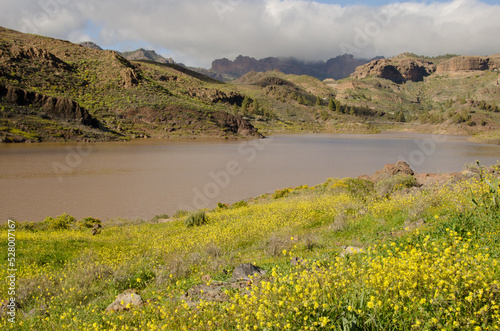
x,y
419,281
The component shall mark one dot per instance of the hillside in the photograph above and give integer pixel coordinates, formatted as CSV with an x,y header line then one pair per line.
x,y
46,84
53,90
392,251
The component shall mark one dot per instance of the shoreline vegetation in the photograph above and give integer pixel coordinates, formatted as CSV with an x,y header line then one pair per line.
x,y
391,251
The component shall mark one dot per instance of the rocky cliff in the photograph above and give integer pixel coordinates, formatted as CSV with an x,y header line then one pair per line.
x,y
337,68
397,70
56,107
470,63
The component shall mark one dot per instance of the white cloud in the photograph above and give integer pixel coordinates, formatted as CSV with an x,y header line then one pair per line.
x,y
198,31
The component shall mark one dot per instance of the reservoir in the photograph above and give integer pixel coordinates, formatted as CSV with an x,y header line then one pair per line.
x,y
141,179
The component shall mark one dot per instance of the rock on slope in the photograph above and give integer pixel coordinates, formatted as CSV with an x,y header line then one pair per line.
x,y
397,70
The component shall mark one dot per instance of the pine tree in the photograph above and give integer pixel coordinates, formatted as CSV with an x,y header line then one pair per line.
x,y
331,105
318,101
255,107
244,105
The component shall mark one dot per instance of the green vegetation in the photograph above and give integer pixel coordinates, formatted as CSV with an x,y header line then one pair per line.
x,y
398,259
196,219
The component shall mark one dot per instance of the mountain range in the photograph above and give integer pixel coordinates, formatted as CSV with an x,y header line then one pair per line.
x,y
337,68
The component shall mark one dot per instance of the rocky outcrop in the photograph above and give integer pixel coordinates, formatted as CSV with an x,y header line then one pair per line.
x,y
129,77
247,270
397,70
144,54
56,107
214,96
90,45
389,170
235,124
337,68
125,301
273,81
470,63
18,54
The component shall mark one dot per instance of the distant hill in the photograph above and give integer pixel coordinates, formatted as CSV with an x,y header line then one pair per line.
x,y
144,54
337,68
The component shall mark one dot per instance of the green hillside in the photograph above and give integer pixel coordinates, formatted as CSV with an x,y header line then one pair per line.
x,y
53,90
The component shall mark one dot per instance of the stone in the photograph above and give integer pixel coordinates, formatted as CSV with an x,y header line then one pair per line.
x,y
96,229
400,168
409,225
350,250
296,261
246,270
125,301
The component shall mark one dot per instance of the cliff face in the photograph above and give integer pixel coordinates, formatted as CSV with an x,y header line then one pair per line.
x,y
57,107
470,63
397,70
337,68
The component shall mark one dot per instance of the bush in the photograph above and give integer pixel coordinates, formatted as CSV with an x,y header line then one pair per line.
x,y
395,183
180,213
359,188
88,222
159,217
196,219
61,222
221,206
281,193
239,204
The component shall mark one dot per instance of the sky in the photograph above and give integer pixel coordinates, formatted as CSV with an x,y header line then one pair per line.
x,y
196,32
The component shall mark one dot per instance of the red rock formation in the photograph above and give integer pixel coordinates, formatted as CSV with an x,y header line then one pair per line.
x,y
396,70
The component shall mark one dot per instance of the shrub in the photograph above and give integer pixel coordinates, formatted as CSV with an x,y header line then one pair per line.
x,y
196,219
159,217
61,222
221,205
281,193
239,204
180,213
395,183
359,188
88,222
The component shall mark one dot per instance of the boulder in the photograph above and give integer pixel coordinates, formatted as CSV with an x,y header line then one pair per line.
x,y
129,77
125,301
246,270
296,261
400,168
96,229
235,124
350,250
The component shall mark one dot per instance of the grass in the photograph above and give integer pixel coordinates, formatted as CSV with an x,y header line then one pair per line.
x,y
442,276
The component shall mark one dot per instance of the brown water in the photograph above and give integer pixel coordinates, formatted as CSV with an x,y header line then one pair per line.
x,y
146,178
